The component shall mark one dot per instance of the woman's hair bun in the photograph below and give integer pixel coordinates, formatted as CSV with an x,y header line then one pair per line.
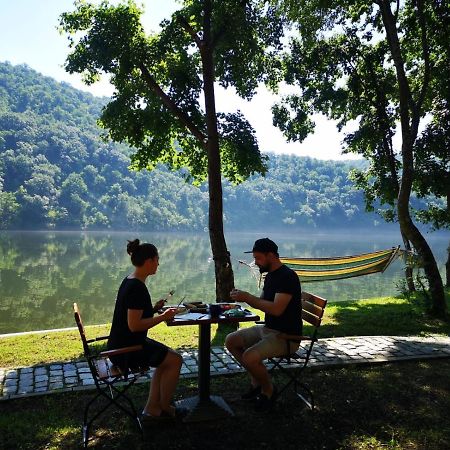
x,y
132,246
141,252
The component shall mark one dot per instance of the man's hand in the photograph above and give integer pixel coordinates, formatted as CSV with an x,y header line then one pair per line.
x,y
239,296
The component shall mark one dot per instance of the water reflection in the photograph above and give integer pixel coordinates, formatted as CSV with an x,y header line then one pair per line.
x,y
43,273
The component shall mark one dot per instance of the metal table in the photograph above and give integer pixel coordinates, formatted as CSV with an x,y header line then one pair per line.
x,y
205,406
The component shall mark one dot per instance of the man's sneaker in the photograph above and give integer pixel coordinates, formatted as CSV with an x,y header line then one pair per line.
x,y
264,403
252,393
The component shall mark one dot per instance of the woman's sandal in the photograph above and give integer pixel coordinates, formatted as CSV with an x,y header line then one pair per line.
x,y
180,412
163,417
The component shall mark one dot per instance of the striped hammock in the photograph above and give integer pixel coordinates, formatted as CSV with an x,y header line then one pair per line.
x,y
325,269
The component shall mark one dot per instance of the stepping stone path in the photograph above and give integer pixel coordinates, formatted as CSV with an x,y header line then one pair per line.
x,y
71,376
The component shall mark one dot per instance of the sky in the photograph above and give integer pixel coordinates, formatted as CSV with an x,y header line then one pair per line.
x,y
29,35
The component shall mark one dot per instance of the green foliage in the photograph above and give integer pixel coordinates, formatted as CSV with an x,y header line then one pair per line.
x,y
433,161
9,209
296,192
58,172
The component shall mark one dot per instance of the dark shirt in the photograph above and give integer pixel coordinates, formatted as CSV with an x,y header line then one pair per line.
x,y
284,281
133,294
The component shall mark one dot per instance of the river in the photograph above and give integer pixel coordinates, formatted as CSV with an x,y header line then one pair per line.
x,y
43,273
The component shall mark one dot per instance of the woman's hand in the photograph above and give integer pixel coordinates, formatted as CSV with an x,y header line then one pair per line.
x,y
159,304
169,313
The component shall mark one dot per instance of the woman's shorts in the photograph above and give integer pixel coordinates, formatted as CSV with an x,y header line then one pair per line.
x,y
152,355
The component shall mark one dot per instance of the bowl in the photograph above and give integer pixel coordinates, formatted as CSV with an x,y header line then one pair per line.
x,y
195,305
228,306
199,310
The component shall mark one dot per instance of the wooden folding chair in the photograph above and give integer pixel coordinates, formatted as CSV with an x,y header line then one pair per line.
x,y
313,308
106,378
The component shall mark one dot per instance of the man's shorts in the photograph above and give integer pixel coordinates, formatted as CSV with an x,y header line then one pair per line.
x,y
265,341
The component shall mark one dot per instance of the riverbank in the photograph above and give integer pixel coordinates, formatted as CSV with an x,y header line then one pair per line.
x,y
386,316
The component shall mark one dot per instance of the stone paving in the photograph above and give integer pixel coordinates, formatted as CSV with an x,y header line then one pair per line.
x,y
71,376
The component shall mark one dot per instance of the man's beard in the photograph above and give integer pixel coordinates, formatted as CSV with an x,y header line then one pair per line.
x,y
263,269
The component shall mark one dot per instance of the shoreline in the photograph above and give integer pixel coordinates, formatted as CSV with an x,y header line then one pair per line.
x,y
278,231
52,330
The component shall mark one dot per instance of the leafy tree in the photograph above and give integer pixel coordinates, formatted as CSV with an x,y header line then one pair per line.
x,y
34,208
8,208
158,82
378,65
433,162
73,194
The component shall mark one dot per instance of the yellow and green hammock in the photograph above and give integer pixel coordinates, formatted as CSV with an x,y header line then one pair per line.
x,y
326,269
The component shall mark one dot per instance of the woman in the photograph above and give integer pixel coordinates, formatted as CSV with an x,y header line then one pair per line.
x,y
134,314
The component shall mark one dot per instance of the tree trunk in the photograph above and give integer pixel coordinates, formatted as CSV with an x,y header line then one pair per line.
x,y
412,233
221,256
439,306
408,269
447,268
447,264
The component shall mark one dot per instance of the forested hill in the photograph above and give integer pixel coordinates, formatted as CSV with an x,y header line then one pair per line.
x,y
56,172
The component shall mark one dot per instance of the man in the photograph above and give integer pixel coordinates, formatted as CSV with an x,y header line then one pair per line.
x,y
280,300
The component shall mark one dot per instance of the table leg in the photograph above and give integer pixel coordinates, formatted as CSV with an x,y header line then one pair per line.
x,y
204,406
204,360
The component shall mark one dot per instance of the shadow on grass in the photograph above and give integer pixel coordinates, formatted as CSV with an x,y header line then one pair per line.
x,y
397,406
220,335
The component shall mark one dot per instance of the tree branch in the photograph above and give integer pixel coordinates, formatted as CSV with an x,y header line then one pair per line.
x,y
394,46
171,106
207,12
188,28
397,10
426,59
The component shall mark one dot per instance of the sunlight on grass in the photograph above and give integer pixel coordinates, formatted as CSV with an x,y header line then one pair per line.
x,y
59,437
388,316
373,443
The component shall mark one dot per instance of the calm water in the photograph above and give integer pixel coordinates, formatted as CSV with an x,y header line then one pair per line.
x,y
43,273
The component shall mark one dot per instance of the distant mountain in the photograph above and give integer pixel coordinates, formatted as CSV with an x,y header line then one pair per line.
x,y
56,172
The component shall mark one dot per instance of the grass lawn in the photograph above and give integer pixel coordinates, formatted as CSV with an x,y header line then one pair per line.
x,y
378,316
395,406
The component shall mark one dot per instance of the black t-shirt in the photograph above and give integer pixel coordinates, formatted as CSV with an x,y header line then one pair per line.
x,y
284,281
133,294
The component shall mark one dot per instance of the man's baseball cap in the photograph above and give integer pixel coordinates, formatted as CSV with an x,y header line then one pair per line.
x,y
264,245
